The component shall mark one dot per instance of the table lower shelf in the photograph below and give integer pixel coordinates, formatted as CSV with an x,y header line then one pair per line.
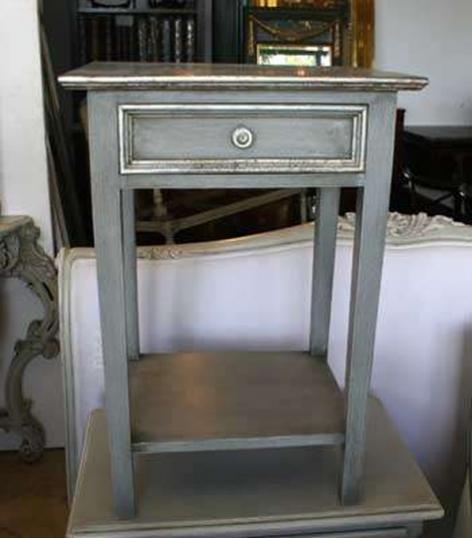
x,y
233,400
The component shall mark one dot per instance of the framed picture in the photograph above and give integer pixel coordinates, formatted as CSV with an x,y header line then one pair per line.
x,y
296,55
348,26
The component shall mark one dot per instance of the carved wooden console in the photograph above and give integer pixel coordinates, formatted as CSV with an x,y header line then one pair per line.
x,y
21,257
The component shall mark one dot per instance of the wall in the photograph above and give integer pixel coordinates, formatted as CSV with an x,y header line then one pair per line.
x,y
24,190
432,38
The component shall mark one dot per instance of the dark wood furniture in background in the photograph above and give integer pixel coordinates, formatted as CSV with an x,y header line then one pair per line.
x,y
438,170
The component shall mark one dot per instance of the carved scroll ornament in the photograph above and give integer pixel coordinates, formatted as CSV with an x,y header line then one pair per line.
x,y
21,257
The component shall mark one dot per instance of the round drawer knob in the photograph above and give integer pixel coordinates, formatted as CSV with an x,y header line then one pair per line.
x,y
243,137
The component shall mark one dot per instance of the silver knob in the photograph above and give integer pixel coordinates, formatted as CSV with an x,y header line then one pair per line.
x,y
242,138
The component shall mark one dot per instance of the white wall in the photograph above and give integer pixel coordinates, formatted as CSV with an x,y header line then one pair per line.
x,y
24,190
23,171
432,38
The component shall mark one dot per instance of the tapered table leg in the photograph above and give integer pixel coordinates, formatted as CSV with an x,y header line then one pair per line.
x,y
130,273
326,221
109,225
369,243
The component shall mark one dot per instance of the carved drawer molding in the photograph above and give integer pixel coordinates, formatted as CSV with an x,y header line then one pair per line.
x,y
236,138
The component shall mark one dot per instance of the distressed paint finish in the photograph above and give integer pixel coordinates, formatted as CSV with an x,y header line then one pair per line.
x,y
326,218
108,230
339,133
369,243
130,274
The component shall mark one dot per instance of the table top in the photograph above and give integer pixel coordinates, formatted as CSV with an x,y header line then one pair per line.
x,y
155,76
252,493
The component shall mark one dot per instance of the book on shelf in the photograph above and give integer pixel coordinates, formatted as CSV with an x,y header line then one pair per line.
x,y
178,42
190,39
119,47
166,40
153,40
124,39
131,41
143,37
83,40
109,31
95,40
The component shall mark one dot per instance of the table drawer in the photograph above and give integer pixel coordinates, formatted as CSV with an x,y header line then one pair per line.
x,y
227,138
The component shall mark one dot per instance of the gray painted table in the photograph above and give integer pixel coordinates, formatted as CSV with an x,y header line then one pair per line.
x,y
216,126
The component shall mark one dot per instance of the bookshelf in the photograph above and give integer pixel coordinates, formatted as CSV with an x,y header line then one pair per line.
x,y
143,31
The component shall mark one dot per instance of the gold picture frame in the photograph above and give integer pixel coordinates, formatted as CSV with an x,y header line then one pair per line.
x,y
362,25
363,32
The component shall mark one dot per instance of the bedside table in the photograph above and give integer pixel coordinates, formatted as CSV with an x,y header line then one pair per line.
x,y
215,126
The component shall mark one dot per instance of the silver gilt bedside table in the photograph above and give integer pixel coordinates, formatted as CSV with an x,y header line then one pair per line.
x,y
216,126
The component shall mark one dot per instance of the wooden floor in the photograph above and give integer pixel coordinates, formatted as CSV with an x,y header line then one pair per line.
x,y
33,501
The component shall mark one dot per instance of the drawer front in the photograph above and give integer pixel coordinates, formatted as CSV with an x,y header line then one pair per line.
x,y
213,139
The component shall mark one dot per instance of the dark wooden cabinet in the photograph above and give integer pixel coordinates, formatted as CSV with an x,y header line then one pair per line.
x,y
438,168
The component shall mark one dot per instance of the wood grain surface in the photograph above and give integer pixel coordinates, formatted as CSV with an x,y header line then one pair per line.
x,y
192,401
